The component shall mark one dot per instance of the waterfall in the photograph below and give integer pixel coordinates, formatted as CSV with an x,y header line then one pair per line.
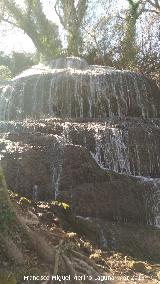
x,y
116,145
58,152
152,200
5,102
111,151
156,207
125,146
71,88
113,113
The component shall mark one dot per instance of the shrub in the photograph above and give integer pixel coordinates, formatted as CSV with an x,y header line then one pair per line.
x,y
5,73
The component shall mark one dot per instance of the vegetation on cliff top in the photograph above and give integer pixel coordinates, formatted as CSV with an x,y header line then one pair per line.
x,y
101,31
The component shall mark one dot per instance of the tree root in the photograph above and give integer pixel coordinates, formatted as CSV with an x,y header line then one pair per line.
x,y
57,258
85,259
38,243
70,268
64,259
11,249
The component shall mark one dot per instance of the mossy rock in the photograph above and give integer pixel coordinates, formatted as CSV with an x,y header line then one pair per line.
x,y
25,202
7,278
62,205
139,266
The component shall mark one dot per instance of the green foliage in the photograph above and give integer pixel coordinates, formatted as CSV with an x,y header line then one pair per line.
x,y
63,205
134,8
5,59
6,213
20,61
97,25
33,21
6,216
17,62
129,48
149,64
71,14
5,73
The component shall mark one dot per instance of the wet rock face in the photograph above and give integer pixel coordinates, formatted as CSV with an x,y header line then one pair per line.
x,y
106,134
71,88
53,158
129,146
30,173
97,193
138,241
31,163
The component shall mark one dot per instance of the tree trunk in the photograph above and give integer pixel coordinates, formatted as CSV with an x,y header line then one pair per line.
x,y
11,223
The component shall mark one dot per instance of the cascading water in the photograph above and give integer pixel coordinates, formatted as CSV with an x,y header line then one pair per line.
x,y
71,89
57,163
111,151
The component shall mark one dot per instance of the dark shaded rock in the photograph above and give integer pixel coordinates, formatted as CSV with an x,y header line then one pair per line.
x,y
63,165
94,192
47,217
30,164
58,165
138,241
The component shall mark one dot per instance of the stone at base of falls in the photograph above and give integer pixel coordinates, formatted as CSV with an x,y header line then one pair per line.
x,y
39,164
138,241
94,192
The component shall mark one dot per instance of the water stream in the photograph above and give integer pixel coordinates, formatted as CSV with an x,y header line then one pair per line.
x,y
103,97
